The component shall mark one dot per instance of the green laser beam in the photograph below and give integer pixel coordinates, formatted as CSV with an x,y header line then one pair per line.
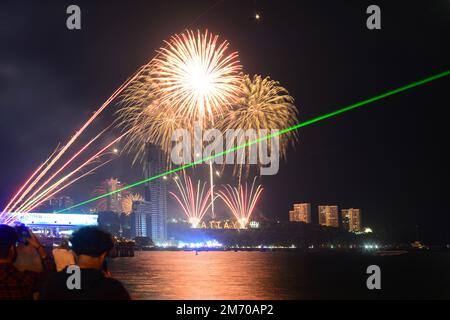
x,y
295,127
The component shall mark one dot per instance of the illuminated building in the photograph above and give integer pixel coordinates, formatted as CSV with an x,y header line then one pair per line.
x,y
351,219
329,216
56,224
113,201
156,194
140,219
301,213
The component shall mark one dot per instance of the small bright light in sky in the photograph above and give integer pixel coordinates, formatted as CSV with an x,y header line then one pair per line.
x,y
257,16
115,150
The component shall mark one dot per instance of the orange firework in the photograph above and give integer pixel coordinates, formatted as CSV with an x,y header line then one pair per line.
x,y
196,76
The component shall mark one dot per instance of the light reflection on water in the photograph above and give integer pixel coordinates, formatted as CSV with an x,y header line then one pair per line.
x,y
281,275
208,275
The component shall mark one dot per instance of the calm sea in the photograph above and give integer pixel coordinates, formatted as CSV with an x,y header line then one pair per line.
x,y
281,275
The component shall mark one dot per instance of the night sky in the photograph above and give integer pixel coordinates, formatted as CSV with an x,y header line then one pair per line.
x,y
387,158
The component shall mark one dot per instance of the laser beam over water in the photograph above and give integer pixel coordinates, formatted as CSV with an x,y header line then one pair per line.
x,y
292,128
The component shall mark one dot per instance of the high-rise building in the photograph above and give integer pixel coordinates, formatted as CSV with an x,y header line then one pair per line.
x,y
114,200
301,213
351,219
140,219
329,216
156,194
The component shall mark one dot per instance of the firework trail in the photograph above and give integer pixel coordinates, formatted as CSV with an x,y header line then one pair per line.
x,y
91,171
25,206
5,210
64,166
193,201
241,201
263,105
11,218
193,78
211,183
22,194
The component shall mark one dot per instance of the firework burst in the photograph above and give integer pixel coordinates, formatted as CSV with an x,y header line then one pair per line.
x,y
193,200
241,201
196,76
148,126
127,202
263,105
192,79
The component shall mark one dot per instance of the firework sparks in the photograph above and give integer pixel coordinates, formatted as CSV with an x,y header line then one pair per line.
x,y
263,105
80,151
49,196
241,201
25,206
193,201
11,202
192,79
196,76
34,179
127,202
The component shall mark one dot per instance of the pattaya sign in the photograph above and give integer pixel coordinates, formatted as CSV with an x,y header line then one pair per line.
x,y
219,225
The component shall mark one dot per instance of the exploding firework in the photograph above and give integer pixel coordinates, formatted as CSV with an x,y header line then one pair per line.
x,y
263,105
147,126
192,79
196,76
127,202
193,201
241,201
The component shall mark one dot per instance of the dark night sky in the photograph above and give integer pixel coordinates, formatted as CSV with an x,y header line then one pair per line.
x,y
387,158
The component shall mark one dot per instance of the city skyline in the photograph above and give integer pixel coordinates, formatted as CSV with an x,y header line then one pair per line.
x,y
352,160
